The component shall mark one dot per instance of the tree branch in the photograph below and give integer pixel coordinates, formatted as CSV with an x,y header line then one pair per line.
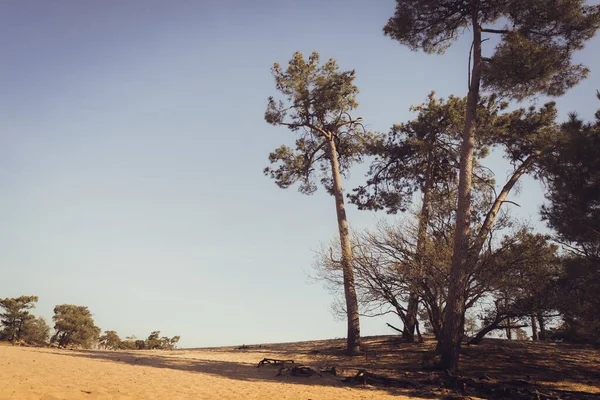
x,y
498,31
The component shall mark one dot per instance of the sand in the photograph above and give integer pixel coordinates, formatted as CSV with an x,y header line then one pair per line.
x,y
49,374
496,367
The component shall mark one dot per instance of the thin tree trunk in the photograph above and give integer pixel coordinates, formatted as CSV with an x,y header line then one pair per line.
x,y
435,317
534,333
413,299
494,325
542,323
481,334
399,310
490,218
508,328
433,311
353,340
455,305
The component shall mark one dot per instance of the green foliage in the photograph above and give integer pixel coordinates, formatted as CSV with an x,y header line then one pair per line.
x,y
579,290
74,326
521,275
15,316
538,38
36,331
528,132
573,187
530,270
110,340
430,142
318,100
572,175
128,345
140,344
155,342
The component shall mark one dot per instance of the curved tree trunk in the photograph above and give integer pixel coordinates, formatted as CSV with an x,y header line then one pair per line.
x,y
490,218
481,334
353,340
455,305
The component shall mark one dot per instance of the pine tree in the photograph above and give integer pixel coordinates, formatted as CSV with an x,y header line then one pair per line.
x,y
537,40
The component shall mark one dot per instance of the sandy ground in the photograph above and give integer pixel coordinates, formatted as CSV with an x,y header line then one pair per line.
x,y
48,374
496,368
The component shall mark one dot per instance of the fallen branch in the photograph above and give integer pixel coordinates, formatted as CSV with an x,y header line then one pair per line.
x,y
273,361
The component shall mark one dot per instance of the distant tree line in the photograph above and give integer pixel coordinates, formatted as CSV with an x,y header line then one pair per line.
x,y
110,340
73,327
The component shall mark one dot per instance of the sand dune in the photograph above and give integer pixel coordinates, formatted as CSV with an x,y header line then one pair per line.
x,y
524,368
34,373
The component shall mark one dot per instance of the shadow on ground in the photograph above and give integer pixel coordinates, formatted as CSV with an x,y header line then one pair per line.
x,y
494,369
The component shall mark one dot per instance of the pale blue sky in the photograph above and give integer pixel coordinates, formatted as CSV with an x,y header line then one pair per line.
x,y
131,153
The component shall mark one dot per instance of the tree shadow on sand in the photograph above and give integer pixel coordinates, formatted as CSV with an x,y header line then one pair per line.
x,y
227,369
495,369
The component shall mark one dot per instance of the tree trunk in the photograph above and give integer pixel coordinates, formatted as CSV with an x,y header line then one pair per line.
x,y
455,306
402,313
508,328
419,331
534,333
413,299
433,311
542,323
20,329
408,333
490,218
494,325
481,334
353,340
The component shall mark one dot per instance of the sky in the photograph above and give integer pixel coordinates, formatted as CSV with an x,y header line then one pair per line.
x,y
132,144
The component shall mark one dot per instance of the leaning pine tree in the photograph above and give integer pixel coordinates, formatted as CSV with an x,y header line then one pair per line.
x,y
533,56
318,100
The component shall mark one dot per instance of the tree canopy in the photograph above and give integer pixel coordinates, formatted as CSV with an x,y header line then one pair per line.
x,y
572,175
16,316
318,100
74,326
537,38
